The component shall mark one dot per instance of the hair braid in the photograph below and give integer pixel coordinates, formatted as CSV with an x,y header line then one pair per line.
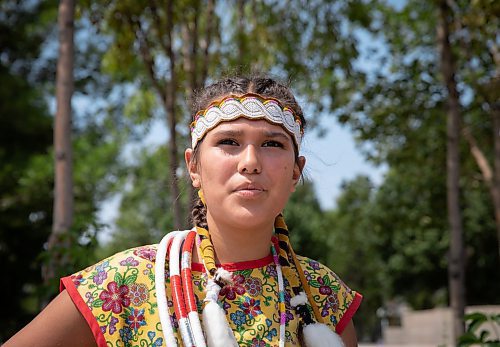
x,y
199,214
291,266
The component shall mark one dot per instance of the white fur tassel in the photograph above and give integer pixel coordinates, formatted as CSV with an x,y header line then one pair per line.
x,y
224,275
318,334
299,299
217,330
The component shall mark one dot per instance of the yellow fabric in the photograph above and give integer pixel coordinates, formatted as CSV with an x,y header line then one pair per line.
x,y
118,294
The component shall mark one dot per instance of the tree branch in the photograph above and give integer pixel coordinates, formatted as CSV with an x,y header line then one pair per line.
x,y
480,158
147,58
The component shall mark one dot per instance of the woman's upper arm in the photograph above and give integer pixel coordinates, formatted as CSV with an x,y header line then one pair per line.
x,y
349,335
59,324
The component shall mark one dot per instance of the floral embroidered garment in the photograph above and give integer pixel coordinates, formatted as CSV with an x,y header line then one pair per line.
x,y
117,298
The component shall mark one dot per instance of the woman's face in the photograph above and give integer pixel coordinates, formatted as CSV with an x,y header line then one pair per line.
x,y
247,170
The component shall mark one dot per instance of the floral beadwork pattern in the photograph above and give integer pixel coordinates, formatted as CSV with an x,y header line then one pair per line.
x,y
119,293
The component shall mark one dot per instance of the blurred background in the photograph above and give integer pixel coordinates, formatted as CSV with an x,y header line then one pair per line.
x,y
402,192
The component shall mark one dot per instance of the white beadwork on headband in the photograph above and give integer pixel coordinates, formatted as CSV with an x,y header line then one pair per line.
x,y
250,106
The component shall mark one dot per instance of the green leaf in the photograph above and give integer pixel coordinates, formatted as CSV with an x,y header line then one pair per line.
x,y
118,279
314,284
97,303
130,279
484,335
476,320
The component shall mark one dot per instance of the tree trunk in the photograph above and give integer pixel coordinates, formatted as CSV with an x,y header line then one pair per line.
x,y
495,115
63,190
495,189
456,273
170,101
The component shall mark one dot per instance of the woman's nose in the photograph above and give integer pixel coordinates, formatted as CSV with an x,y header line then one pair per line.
x,y
250,161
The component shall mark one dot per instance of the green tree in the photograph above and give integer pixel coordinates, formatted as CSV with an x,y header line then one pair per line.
x,y
63,148
144,215
305,220
354,251
400,113
25,138
26,174
209,40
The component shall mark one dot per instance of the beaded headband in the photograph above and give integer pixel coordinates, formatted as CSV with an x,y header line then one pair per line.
x,y
250,106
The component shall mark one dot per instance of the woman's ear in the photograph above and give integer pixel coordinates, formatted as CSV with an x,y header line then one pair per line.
x,y
192,168
297,170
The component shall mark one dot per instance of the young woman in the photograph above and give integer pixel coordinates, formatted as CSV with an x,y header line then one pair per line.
x,y
234,279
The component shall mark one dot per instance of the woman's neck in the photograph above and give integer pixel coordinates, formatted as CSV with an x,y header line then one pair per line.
x,y
233,245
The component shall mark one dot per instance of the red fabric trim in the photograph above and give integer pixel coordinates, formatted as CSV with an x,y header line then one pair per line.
x,y
346,318
242,265
67,283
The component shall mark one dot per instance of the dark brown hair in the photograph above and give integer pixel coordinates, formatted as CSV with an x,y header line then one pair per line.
x,y
258,84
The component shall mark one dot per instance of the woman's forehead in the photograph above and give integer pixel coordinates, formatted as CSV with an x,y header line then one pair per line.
x,y
243,125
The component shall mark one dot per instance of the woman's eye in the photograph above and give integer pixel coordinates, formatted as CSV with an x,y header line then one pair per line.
x,y
229,142
273,144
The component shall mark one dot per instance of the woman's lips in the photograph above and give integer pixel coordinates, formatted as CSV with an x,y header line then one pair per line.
x,y
249,190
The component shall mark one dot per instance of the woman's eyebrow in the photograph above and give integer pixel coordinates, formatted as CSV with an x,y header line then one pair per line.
x,y
229,133
276,134
238,133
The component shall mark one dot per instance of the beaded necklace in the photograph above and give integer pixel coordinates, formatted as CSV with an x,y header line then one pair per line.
x,y
182,290
187,288
207,251
166,324
176,289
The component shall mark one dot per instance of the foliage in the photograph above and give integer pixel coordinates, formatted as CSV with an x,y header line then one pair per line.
x,y
25,137
26,173
145,214
353,251
474,336
400,114
305,220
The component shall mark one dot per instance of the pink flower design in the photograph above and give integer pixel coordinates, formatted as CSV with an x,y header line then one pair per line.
x,y
130,261
237,288
333,302
253,286
308,276
90,298
251,307
146,253
77,280
271,270
100,277
115,297
258,343
112,325
314,264
139,293
324,289
136,319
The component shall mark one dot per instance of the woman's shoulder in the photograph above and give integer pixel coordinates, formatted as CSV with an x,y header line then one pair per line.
x,y
314,270
140,254
335,301
116,296
122,268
